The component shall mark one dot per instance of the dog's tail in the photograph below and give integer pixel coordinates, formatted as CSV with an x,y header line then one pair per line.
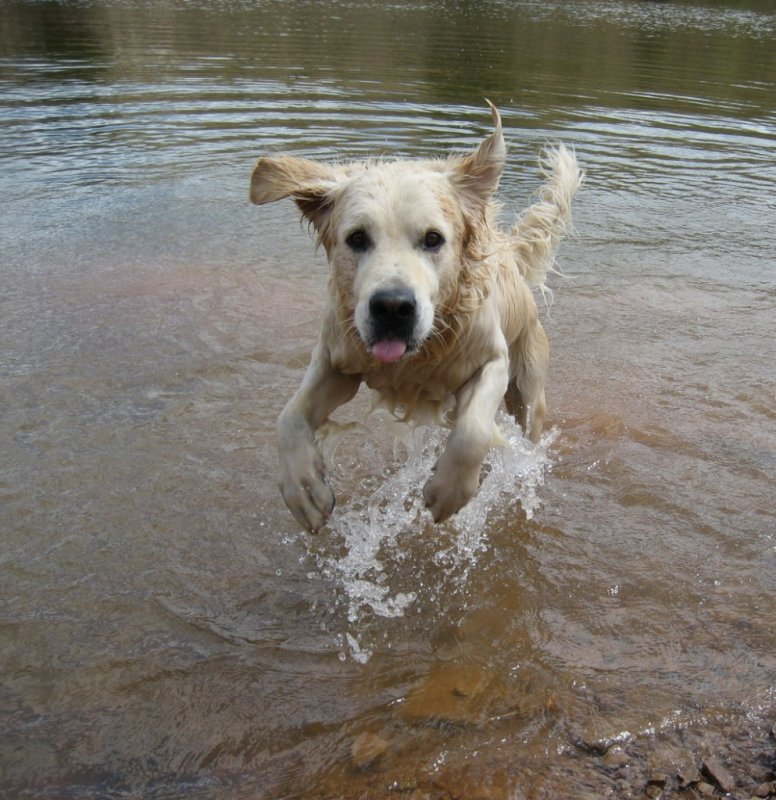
x,y
539,229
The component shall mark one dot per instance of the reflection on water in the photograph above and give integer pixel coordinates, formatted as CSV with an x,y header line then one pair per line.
x,y
166,630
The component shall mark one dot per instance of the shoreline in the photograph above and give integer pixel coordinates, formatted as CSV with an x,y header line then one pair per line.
x,y
732,757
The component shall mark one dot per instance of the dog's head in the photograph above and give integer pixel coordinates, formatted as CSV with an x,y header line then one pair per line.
x,y
396,233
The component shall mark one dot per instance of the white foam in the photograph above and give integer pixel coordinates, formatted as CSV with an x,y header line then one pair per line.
x,y
375,534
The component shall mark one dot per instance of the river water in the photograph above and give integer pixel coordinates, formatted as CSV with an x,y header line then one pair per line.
x,y
166,629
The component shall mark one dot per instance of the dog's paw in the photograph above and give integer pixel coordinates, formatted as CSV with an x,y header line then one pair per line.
x,y
304,487
445,494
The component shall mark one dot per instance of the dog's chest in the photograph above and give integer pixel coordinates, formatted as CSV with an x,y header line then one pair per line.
x,y
424,396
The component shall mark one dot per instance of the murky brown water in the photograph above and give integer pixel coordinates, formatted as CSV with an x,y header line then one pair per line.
x,y
166,631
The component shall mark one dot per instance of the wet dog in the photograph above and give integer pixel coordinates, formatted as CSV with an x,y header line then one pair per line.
x,y
429,303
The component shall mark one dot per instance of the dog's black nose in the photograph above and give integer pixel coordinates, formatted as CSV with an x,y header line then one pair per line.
x,y
392,305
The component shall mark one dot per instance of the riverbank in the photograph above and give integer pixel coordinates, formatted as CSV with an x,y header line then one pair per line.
x,y
733,757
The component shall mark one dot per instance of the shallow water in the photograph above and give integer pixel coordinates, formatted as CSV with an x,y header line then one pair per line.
x,y
166,630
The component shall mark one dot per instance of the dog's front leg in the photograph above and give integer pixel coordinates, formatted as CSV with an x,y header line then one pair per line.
x,y
456,475
303,481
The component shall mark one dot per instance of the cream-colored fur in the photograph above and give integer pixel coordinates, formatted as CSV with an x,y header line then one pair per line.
x,y
428,303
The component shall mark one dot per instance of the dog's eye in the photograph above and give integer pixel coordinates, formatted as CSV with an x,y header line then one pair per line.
x,y
433,240
357,240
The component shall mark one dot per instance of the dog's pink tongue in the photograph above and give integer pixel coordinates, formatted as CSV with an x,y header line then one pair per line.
x,y
389,350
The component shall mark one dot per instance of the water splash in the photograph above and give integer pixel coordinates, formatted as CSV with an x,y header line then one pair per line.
x,y
381,521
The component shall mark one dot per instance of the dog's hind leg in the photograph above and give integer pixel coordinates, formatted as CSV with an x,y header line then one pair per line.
x,y
529,358
529,414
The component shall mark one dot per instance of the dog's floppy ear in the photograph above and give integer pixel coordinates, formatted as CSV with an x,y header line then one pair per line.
x,y
307,182
477,175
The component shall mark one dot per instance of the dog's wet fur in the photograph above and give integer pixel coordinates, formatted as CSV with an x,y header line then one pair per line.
x,y
429,302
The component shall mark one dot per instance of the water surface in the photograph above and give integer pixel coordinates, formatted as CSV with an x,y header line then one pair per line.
x,y
166,629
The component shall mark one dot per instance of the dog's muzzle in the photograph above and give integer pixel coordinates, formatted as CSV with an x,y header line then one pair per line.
x,y
393,315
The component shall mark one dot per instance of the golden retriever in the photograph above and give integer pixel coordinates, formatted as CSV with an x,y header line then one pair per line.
x,y
429,303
